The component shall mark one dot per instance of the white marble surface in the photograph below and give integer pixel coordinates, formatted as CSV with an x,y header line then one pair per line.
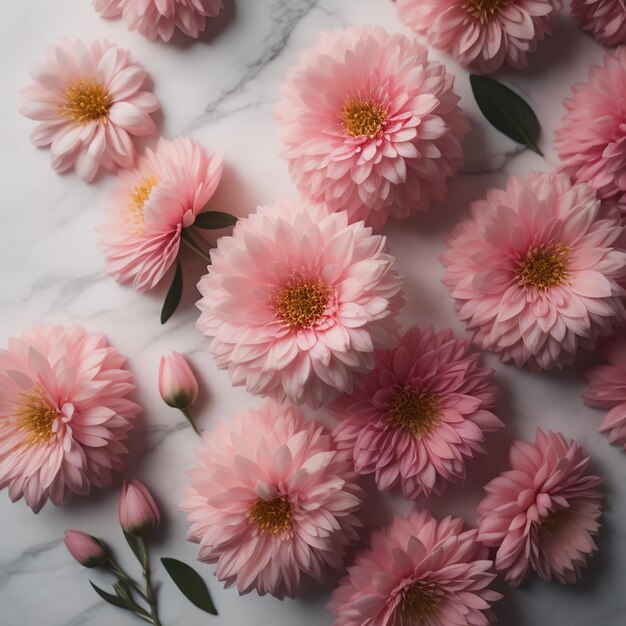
x,y
221,90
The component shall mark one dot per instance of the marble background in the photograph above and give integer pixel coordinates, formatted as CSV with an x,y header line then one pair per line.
x,y
221,89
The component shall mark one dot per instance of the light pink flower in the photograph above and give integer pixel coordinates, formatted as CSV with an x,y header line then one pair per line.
x,y
535,270
596,153
108,8
64,414
151,206
607,390
418,571
370,125
177,384
271,499
605,19
420,415
87,550
542,513
297,300
138,512
486,33
90,104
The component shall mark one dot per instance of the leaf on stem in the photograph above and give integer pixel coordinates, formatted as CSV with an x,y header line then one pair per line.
x,y
506,111
213,220
110,598
172,299
190,583
137,546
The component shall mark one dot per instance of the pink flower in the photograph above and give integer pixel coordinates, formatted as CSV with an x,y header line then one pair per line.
x,y
89,103
535,270
177,384
486,33
297,300
139,514
64,414
370,125
605,19
542,513
607,390
271,499
87,550
420,415
151,206
596,153
108,8
418,571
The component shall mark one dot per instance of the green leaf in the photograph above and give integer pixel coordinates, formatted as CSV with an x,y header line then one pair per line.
x,y
190,583
506,111
137,546
110,598
172,299
214,219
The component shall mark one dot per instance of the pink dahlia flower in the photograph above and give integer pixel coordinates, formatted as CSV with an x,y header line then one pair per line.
x,y
271,499
596,153
108,8
535,270
370,125
64,414
297,300
542,513
486,33
89,102
607,390
418,571
605,19
420,415
151,206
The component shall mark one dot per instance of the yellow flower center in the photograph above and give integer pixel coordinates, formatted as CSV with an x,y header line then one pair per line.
x,y
302,302
35,415
86,101
485,10
544,267
272,516
415,411
138,197
418,602
363,118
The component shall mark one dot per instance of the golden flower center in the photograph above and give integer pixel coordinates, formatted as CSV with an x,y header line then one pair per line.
x,y
415,411
272,516
485,10
302,302
418,602
363,118
544,267
138,197
35,415
86,101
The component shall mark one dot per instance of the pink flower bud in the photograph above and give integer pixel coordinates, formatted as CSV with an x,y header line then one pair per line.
x,y
139,514
87,550
177,384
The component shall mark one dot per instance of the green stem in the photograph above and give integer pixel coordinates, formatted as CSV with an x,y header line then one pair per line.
x,y
190,419
191,244
150,596
120,573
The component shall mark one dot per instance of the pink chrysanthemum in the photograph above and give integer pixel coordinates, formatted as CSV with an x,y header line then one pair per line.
x,y
159,18
487,33
370,125
605,19
271,499
418,571
297,300
152,204
542,513
535,271
607,390
420,415
596,153
90,104
64,414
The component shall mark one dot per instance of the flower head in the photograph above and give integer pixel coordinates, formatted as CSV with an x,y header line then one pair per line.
x,y
271,499
420,415
138,512
535,271
370,125
87,550
486,33
605,19
90,104
151,206
64,414
418,571
297,300
177,384
596,153
541,514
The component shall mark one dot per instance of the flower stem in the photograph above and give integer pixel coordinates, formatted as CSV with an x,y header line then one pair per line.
x,y
190,419
150,596
191,244
120,573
